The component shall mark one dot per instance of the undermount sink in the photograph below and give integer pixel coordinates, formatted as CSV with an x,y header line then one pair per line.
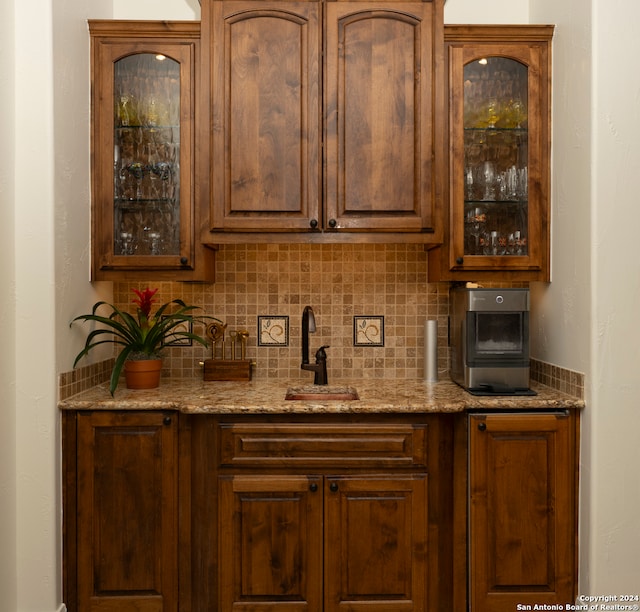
x,y
318,393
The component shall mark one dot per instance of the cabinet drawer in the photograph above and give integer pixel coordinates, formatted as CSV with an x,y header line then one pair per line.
x,y
313,444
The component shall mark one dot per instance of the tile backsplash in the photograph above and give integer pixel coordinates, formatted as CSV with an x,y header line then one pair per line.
x,y
340,282
269,285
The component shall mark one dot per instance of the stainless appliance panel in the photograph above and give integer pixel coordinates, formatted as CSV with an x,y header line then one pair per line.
x,y
489,338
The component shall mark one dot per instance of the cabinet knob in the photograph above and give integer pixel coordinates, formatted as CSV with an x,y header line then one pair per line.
x,y
459,260
184,261
167,420
333,223
482,426
313,223
313,487
333,486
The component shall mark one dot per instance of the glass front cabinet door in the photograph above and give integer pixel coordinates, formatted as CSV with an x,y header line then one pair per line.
x,y
499,128
143,106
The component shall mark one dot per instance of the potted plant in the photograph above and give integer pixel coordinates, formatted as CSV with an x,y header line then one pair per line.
x,y
141,336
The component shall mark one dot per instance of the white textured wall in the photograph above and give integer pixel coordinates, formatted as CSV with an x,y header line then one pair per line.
x,y
491,11
72,166
8,471
35,387
156,9
614,556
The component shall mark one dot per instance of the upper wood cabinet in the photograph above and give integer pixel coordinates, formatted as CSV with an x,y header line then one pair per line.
x,y
265,66
379,110
498,226
322,120
143,152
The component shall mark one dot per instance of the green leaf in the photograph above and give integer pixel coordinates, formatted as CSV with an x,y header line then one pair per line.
x,y
117,369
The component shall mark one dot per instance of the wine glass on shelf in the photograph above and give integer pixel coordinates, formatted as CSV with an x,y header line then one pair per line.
x,y
493,243
522,183
155,243
516,243
126,244
517,113
508,183
489,179
123,190
475,222
127,110
124,111
153,113
162,170
136,170
468,183
493,112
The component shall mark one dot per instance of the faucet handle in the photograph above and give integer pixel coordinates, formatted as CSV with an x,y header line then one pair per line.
x,y
321,355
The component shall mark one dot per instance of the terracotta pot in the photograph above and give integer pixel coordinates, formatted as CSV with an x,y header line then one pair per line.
x,y
143,374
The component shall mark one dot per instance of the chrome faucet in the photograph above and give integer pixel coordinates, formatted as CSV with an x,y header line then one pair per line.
x,y
319,368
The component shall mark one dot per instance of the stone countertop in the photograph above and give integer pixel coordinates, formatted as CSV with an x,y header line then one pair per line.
x,y
194,396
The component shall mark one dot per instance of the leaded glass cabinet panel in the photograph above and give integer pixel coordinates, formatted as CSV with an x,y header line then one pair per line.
x,y
143,151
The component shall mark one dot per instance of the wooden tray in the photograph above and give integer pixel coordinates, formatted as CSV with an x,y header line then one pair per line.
x,y
227,369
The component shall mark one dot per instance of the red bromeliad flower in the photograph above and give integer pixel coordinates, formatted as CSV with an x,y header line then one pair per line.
x,y
145,300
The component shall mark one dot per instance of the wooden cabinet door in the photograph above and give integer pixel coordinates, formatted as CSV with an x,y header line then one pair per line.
x,y
270,551
380,105
143,152
127,516
265,136
500,154
376,543
522,513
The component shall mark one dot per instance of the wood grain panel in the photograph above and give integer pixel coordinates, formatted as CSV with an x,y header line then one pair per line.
x,y
376,543
341,445
379,103
266,123
270,543
522,510
127,512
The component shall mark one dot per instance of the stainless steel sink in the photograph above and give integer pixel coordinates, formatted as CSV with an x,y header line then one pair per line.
x,y
320,393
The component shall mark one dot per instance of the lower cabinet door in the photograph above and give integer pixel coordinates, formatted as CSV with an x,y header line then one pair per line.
x,y
314,543
522,517
127,516
270,538
376,543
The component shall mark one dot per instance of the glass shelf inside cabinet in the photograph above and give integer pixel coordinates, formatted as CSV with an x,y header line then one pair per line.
x,y
146,177
495,157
